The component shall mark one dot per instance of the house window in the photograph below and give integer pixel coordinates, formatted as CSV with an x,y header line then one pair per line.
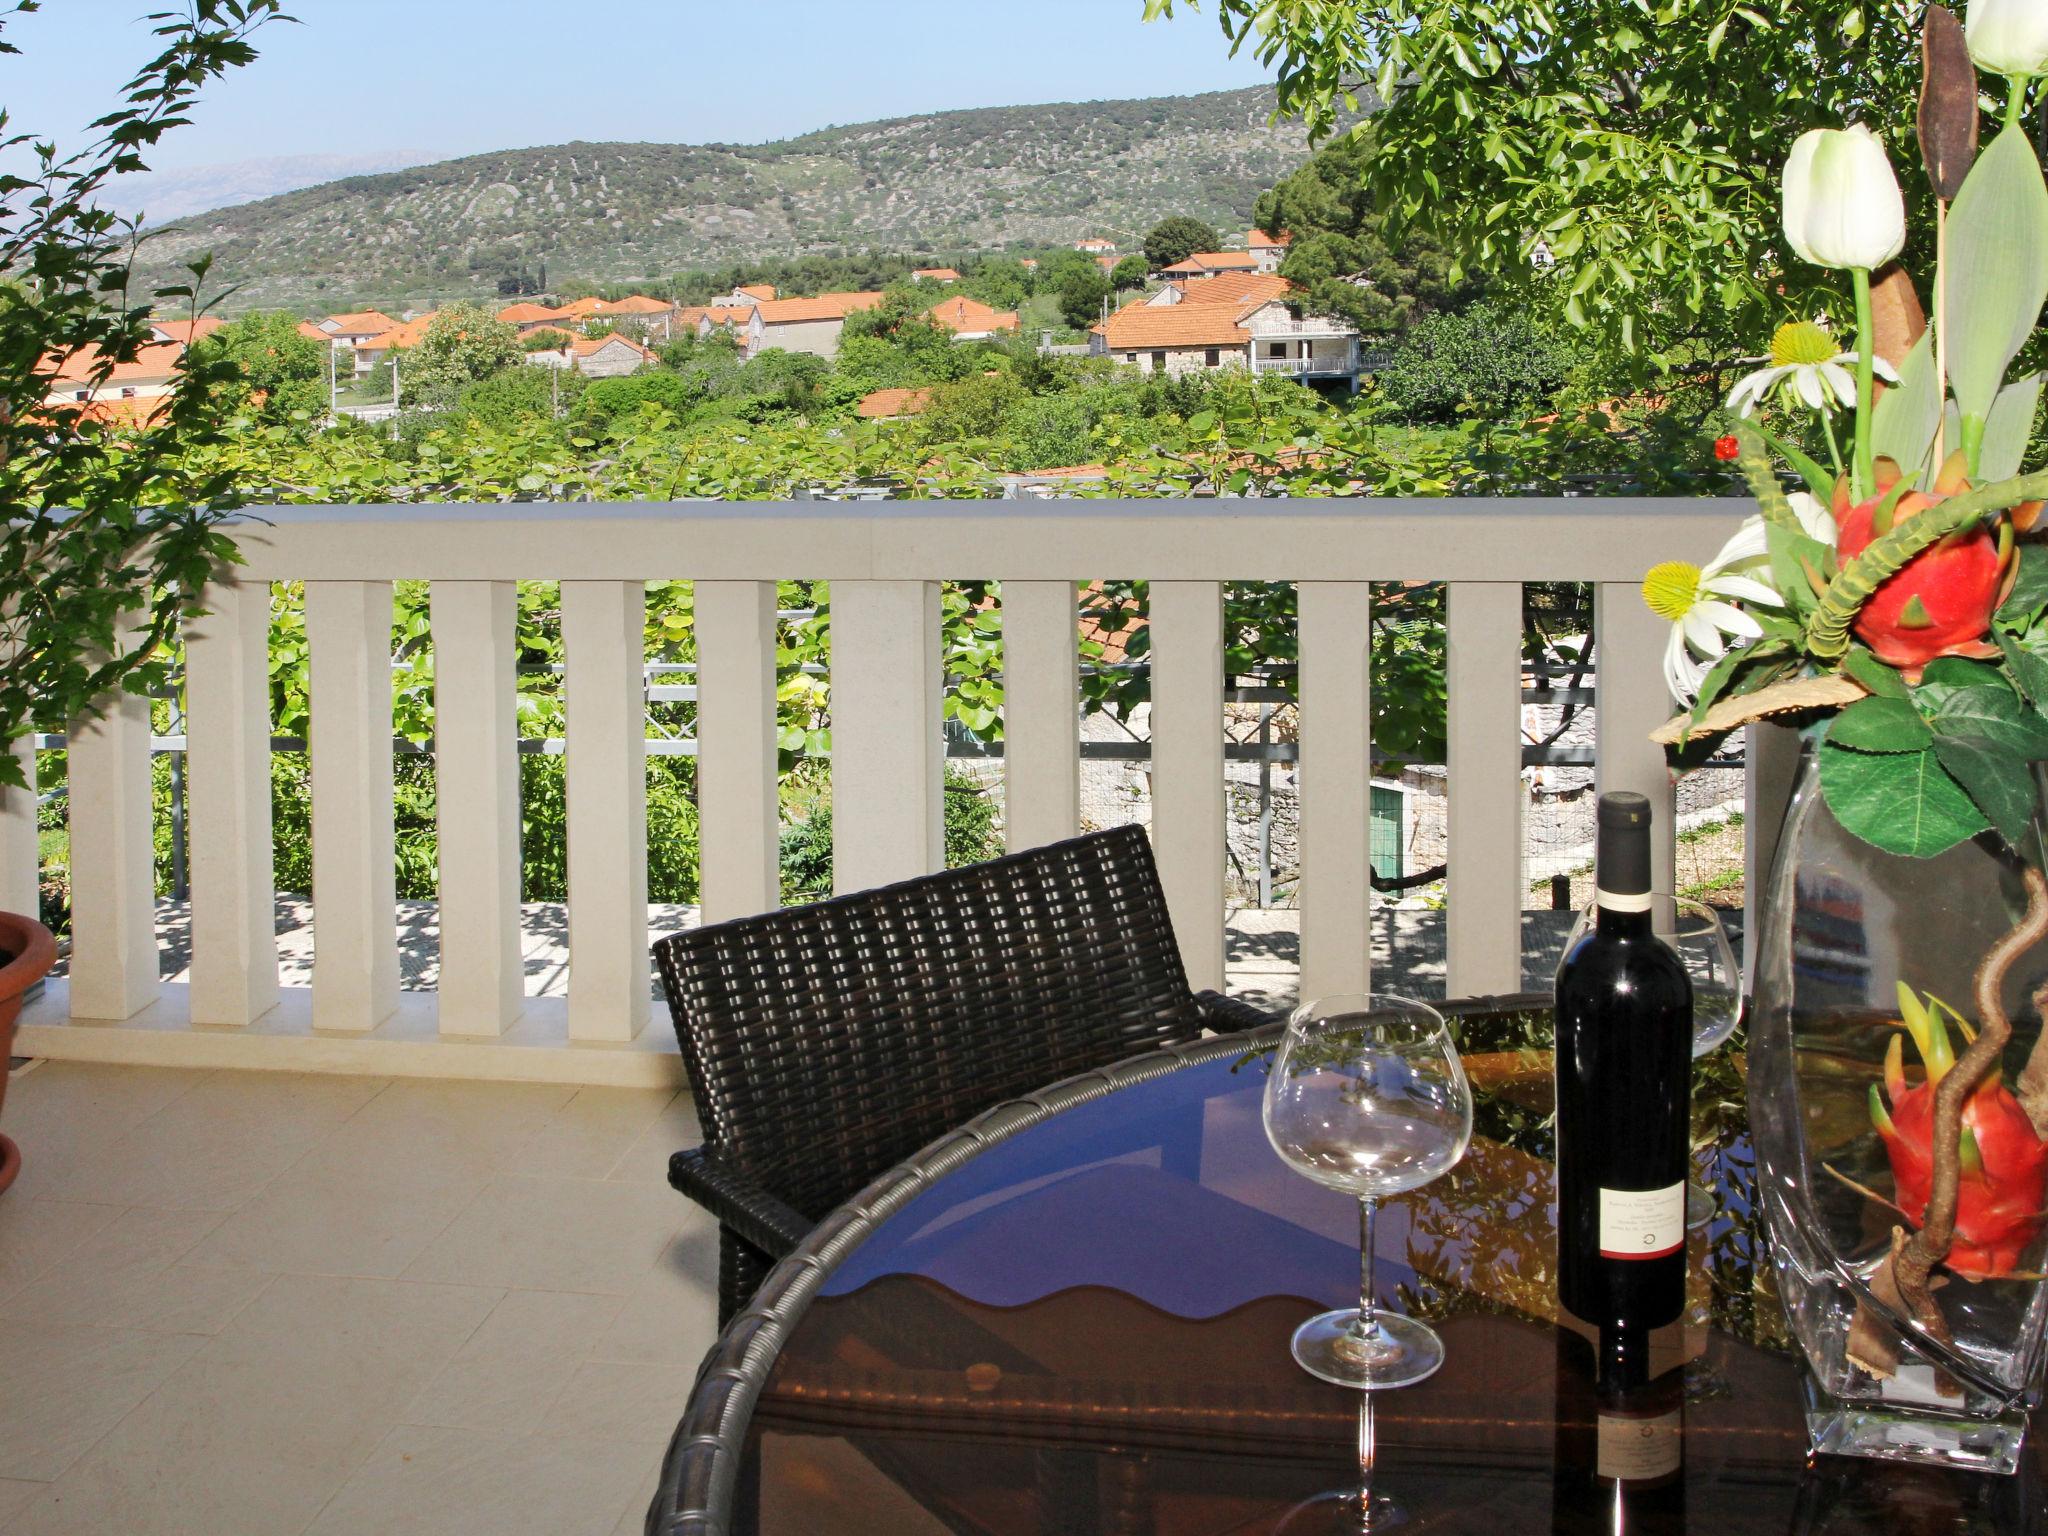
x,y
1130,357
1276,349
128,393
81,394
1212,357
1158,362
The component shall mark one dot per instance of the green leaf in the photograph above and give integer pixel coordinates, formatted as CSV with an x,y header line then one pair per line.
x,y
1995,714
1880,725
1902,802
2029,594
1817,479
1902,425
2008,430
1863,665
1996,279
1998,783
2027,656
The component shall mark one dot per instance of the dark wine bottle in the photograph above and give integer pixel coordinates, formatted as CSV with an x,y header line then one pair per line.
x,y
1624,1055
1620,1444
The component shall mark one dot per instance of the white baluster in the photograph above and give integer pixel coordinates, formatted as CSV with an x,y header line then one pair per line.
x,y
888,750
20,860
227,731
1631,700
604,632
113,879
1041,713
1484,648
739,818
1336,787
476,781
1186,621
355,900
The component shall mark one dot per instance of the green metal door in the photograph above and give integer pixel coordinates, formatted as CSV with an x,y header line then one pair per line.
x,y
1386,832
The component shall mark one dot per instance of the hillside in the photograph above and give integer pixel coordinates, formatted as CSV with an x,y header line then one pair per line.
x,y
977,179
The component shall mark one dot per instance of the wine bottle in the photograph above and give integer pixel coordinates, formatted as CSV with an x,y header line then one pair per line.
x,y
1624,1053
1620,1449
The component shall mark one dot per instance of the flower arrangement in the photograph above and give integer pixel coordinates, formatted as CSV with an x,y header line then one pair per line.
x,y
1892,603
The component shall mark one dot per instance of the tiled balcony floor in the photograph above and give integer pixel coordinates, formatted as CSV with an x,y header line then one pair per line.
x,y
277,1304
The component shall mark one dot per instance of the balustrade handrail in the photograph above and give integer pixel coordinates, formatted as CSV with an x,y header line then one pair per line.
x,y
885,561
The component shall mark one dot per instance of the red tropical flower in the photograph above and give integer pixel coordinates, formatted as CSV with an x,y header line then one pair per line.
x,y
2004,1189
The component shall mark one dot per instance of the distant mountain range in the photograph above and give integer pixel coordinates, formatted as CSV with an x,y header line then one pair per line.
x,y
160,196
948,181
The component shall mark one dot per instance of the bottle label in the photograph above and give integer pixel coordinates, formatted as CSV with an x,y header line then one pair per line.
x,y
1633,1450
1642,1223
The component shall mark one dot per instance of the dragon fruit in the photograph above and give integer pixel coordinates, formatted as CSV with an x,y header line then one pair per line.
x,y
1941,602
2004,1188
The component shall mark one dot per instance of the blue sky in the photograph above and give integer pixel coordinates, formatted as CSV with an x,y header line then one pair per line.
x,y
461,76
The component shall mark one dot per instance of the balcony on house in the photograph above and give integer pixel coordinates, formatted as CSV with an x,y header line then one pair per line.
x,y
465,1164
1311,348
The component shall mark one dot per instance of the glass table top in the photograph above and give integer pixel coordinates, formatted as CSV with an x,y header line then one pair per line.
x,y
1085,1328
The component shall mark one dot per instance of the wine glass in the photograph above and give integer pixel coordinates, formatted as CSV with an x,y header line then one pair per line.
x,y
1694,932
1368,1096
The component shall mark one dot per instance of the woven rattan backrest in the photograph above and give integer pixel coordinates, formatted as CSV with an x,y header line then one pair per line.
x,y
825,1043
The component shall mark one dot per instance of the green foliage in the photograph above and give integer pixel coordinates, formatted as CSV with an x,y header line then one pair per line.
x,y
464,343
971,837
1175,239
1487,361
605,400
531,392
1640,143
1081,292
97,523
272,360
1131,272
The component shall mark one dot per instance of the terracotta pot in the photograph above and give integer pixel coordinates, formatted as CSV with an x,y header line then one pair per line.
x,y
27,951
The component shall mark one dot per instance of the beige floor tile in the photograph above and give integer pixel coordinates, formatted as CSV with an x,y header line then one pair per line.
x,y
634,1521
646,1160
129,1276
14,1497
622,1404
503,1379
671,1317
37,1234
216,1145
257,1431
467,1125
430,1481
66,1387
587,1137
65,1113
360,1203
554,1235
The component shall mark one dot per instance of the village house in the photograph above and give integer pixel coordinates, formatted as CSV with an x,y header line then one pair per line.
x,y
1208,263
1096,246
128,395
1267,250
892,404
705,319
934,275
1234,320
525,318
400,336
608,357
184,332
970,320
354,330
804,325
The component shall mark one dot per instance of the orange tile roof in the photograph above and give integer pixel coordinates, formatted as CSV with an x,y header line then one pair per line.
x,y
527,313
308,329
886,403
362,322
725,315
1258,239
187,330
1138,326
590,345
762,291
638,304
826,306
581,309
153,362
1234,288
406,334
964,314
1214,261
938,274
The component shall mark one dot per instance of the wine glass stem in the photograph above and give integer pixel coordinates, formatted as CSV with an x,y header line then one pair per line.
x,y
1368,1320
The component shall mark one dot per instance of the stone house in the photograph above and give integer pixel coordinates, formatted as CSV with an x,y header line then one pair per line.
x,y
804,325
1267,250
970,320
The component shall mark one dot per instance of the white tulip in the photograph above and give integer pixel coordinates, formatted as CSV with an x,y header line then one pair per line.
x,y
2009,37
1842,202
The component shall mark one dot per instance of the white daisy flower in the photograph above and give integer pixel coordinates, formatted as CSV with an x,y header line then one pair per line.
x,y
1700,602
1806,364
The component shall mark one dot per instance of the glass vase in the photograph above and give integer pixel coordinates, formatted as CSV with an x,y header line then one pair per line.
x,y
1841,928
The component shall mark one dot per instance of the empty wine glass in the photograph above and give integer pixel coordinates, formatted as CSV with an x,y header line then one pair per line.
x,y
1693,930
1368,1096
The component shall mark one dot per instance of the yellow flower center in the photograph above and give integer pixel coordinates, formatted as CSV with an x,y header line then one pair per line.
x,y
1671,589
1801,342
